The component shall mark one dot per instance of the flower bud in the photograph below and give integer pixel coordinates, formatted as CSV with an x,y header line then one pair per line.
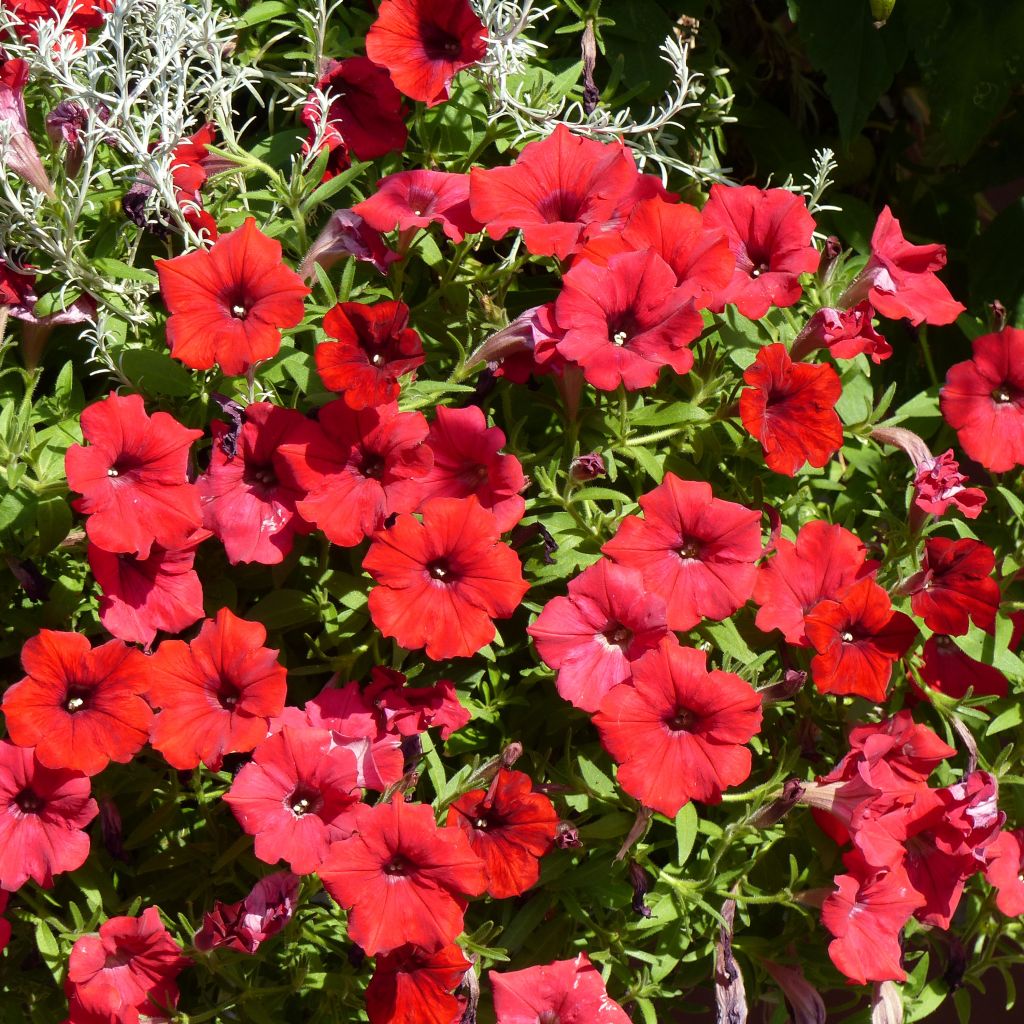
x,y
586,467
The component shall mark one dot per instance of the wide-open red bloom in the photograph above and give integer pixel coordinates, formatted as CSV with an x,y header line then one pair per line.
x,y
246,925
80,707
593,636
218,693
410,986
133,477
846,333
468,460
858,638
944,667
42,814
373,347
677,730
358,468
791,409
955,586
510,827
452,563
143,595
983,400
402,879
229,304
566,992
424,44
1004,869
296,797
556,187
938,484
769,232
127,971
695,550
623,322
248,495
417,199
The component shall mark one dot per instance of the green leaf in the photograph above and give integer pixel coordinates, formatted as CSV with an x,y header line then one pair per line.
x,y
157,373
686,832
1008,719
53,522
284,609
261,12
118,270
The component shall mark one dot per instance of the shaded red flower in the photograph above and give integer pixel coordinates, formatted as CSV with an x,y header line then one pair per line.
x,y
556,187
510,827
453,563
790,408
424,44
246,925
866,914
695,550
190,167
955,586
20,153
983,400
417,199
410,986
593,636
858,638
16,289
846,333
359,468
143,595
769,232
218,693
126,970
468,460
133,477
1004,870
938,484
402,879
912,751
296,796
248,495
677,730
566,991
411,710
944,667
374,346
346,234
80,707
229,304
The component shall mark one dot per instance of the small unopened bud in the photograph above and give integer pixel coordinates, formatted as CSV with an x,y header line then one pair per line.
x,y
567,836
881,11
774,812
110,828
586,467
829,259
588,46
792,682
641,883
997,315
511,754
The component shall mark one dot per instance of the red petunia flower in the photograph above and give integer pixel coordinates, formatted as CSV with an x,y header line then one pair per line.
x,y
791,409
228,304
623,322
218,693
190,167
143,595
80,707
359,468
84,15
769,232
402,879
846,333
983,400
468,460
555,189
297,797
1004,870
944,667
695,550
246,925
824,563
939,484
677,731
453,563
593,636
374,346
410,986
899,279
133,477
20,153
955,586
424,44
417,199
411,710
566,992
510,827
346,234
42,814
248,496
866,914
127,972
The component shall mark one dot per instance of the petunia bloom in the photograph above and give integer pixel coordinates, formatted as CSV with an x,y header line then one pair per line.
x,y
20,153
417,199
80,707
451,562
246,925
955,586
346,234
594,635
790,409
410,710
1004,870
133,477
218,693
229,304
944,667
939,485
424,44
845,333
410,986
77,16
693,549
402,879
677,731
